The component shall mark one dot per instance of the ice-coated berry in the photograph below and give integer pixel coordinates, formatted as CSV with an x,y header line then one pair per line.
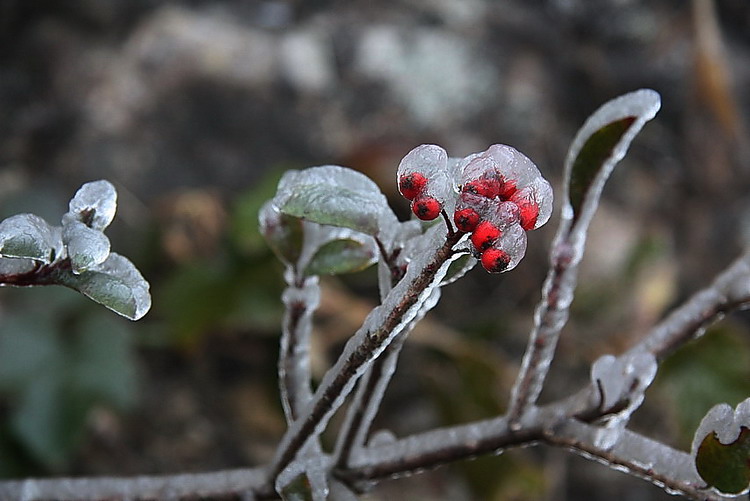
x,y
412,185
528,212
426,208
495,260
485,187
466,219
507,189
485,235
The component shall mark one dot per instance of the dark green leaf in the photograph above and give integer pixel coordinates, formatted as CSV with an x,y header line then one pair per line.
x,y
283,233
725,466
600,143
592,157
340,256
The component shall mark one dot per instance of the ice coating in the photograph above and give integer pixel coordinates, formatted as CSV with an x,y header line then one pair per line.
x,y
641,105
314,468
335,195
431,161
94,204
121,268
513,242
624,378
86,247
29,236
15,266
725,422
371,332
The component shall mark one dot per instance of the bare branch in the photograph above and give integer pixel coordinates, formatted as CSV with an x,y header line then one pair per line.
x,y
668,468
301,298
399,308
167,487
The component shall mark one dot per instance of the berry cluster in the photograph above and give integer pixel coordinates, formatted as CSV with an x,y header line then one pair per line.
x,y
497,196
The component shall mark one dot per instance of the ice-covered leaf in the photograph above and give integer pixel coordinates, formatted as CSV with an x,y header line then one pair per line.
x,y
341,256
94,205
600,143
458,269
86,247
116,283
335,196
725,466
721,448
282,232
15,266
29,236
623,379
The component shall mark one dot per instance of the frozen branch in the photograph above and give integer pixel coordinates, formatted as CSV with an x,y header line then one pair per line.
x,y
672,470
167,487
301,298
399,308
729,291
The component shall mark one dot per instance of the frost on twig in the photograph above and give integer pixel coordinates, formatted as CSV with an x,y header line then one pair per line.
x,y
668,468
398,309
76,254
601,142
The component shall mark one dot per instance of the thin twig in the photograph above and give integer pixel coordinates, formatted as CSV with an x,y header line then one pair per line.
x,y
300,301
668,468
367,345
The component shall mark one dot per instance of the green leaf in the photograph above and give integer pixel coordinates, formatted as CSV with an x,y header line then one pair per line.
x,y
593,155
29,236
725,466
340,256
283,233
335,196
599,145
333,205
115,283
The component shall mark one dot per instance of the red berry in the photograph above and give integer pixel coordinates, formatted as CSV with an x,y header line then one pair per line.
x,y
466,219
426,208
528,213
485,187
507,189
411,185
495,260
485,235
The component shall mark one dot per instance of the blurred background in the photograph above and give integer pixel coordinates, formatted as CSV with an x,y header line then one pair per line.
x,y
194,109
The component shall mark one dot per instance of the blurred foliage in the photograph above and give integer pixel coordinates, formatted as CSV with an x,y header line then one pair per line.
x,y
237,288
59,359
711,370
